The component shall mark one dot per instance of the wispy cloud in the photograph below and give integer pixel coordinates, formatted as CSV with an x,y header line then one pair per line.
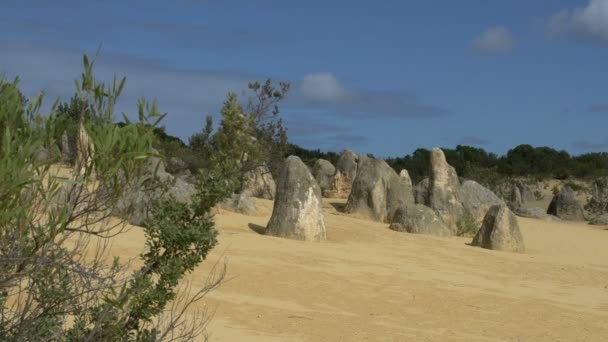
x,y
588,23
495,40
324,92
587,146
598,108
187,95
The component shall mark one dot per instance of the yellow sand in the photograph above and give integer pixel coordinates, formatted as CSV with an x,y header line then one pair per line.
x,y
368,283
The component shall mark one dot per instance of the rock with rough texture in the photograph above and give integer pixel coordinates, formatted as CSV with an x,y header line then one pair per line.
x,y
297,212
176,165
443,190
240,203
421,192
259,183
565,206
516,200
601,220
324,171
598,203
418,219
526,192
343,178
67,152
406,177
135,202
536,213
500,231
377,191
477,199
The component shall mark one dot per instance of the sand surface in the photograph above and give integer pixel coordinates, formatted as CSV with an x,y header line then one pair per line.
x,y
368,283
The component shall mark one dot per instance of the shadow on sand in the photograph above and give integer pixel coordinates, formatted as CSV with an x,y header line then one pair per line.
x,y
340,207
257,228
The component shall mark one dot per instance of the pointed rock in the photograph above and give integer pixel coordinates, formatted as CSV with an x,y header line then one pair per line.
x,y
500,231
443,190
297,212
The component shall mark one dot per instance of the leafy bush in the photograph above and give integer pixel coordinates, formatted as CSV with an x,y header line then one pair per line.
x,y
47,223
467,226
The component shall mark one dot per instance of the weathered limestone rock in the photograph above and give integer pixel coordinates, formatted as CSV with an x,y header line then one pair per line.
x,y
565,206
346,171
406,177
516,200
259,183
598,203
324,171
297,212
377,191
85,149
422,192
240,203
443,190
601,220
418,219
134,203
477,199
500,231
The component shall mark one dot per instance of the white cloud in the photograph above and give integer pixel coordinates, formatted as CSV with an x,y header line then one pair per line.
x,y
589,22
324,92
494,40
324,87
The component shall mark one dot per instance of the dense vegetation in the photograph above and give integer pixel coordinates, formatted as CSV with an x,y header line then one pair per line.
x,y
57,280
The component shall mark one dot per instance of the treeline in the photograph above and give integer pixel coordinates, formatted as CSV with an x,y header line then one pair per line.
x,y
523,160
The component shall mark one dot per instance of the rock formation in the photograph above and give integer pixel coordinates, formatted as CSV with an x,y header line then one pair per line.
x,y
259,183
297,212
476,199
421,192
500,231
565,206
377,191
346,171
443,190
324,171
419,219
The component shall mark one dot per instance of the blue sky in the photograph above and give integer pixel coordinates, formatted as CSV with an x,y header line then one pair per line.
x,y
381,77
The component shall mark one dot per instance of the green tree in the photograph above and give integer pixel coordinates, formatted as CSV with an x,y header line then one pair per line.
x,y
54,266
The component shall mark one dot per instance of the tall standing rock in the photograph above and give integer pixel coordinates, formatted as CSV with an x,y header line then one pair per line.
x,y
406,177
85,149
259,183
323,171
500,231
565,206
443,190
377,191
516,200
297,212
346,171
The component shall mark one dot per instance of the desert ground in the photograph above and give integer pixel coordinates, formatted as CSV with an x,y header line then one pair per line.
x,y
368,283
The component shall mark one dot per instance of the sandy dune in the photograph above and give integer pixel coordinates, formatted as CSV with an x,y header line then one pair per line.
x,y
368,283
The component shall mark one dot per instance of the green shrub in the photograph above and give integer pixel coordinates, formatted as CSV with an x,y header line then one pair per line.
x,y
467,226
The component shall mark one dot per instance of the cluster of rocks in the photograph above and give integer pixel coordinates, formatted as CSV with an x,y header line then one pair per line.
x,y
135,201
435,206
